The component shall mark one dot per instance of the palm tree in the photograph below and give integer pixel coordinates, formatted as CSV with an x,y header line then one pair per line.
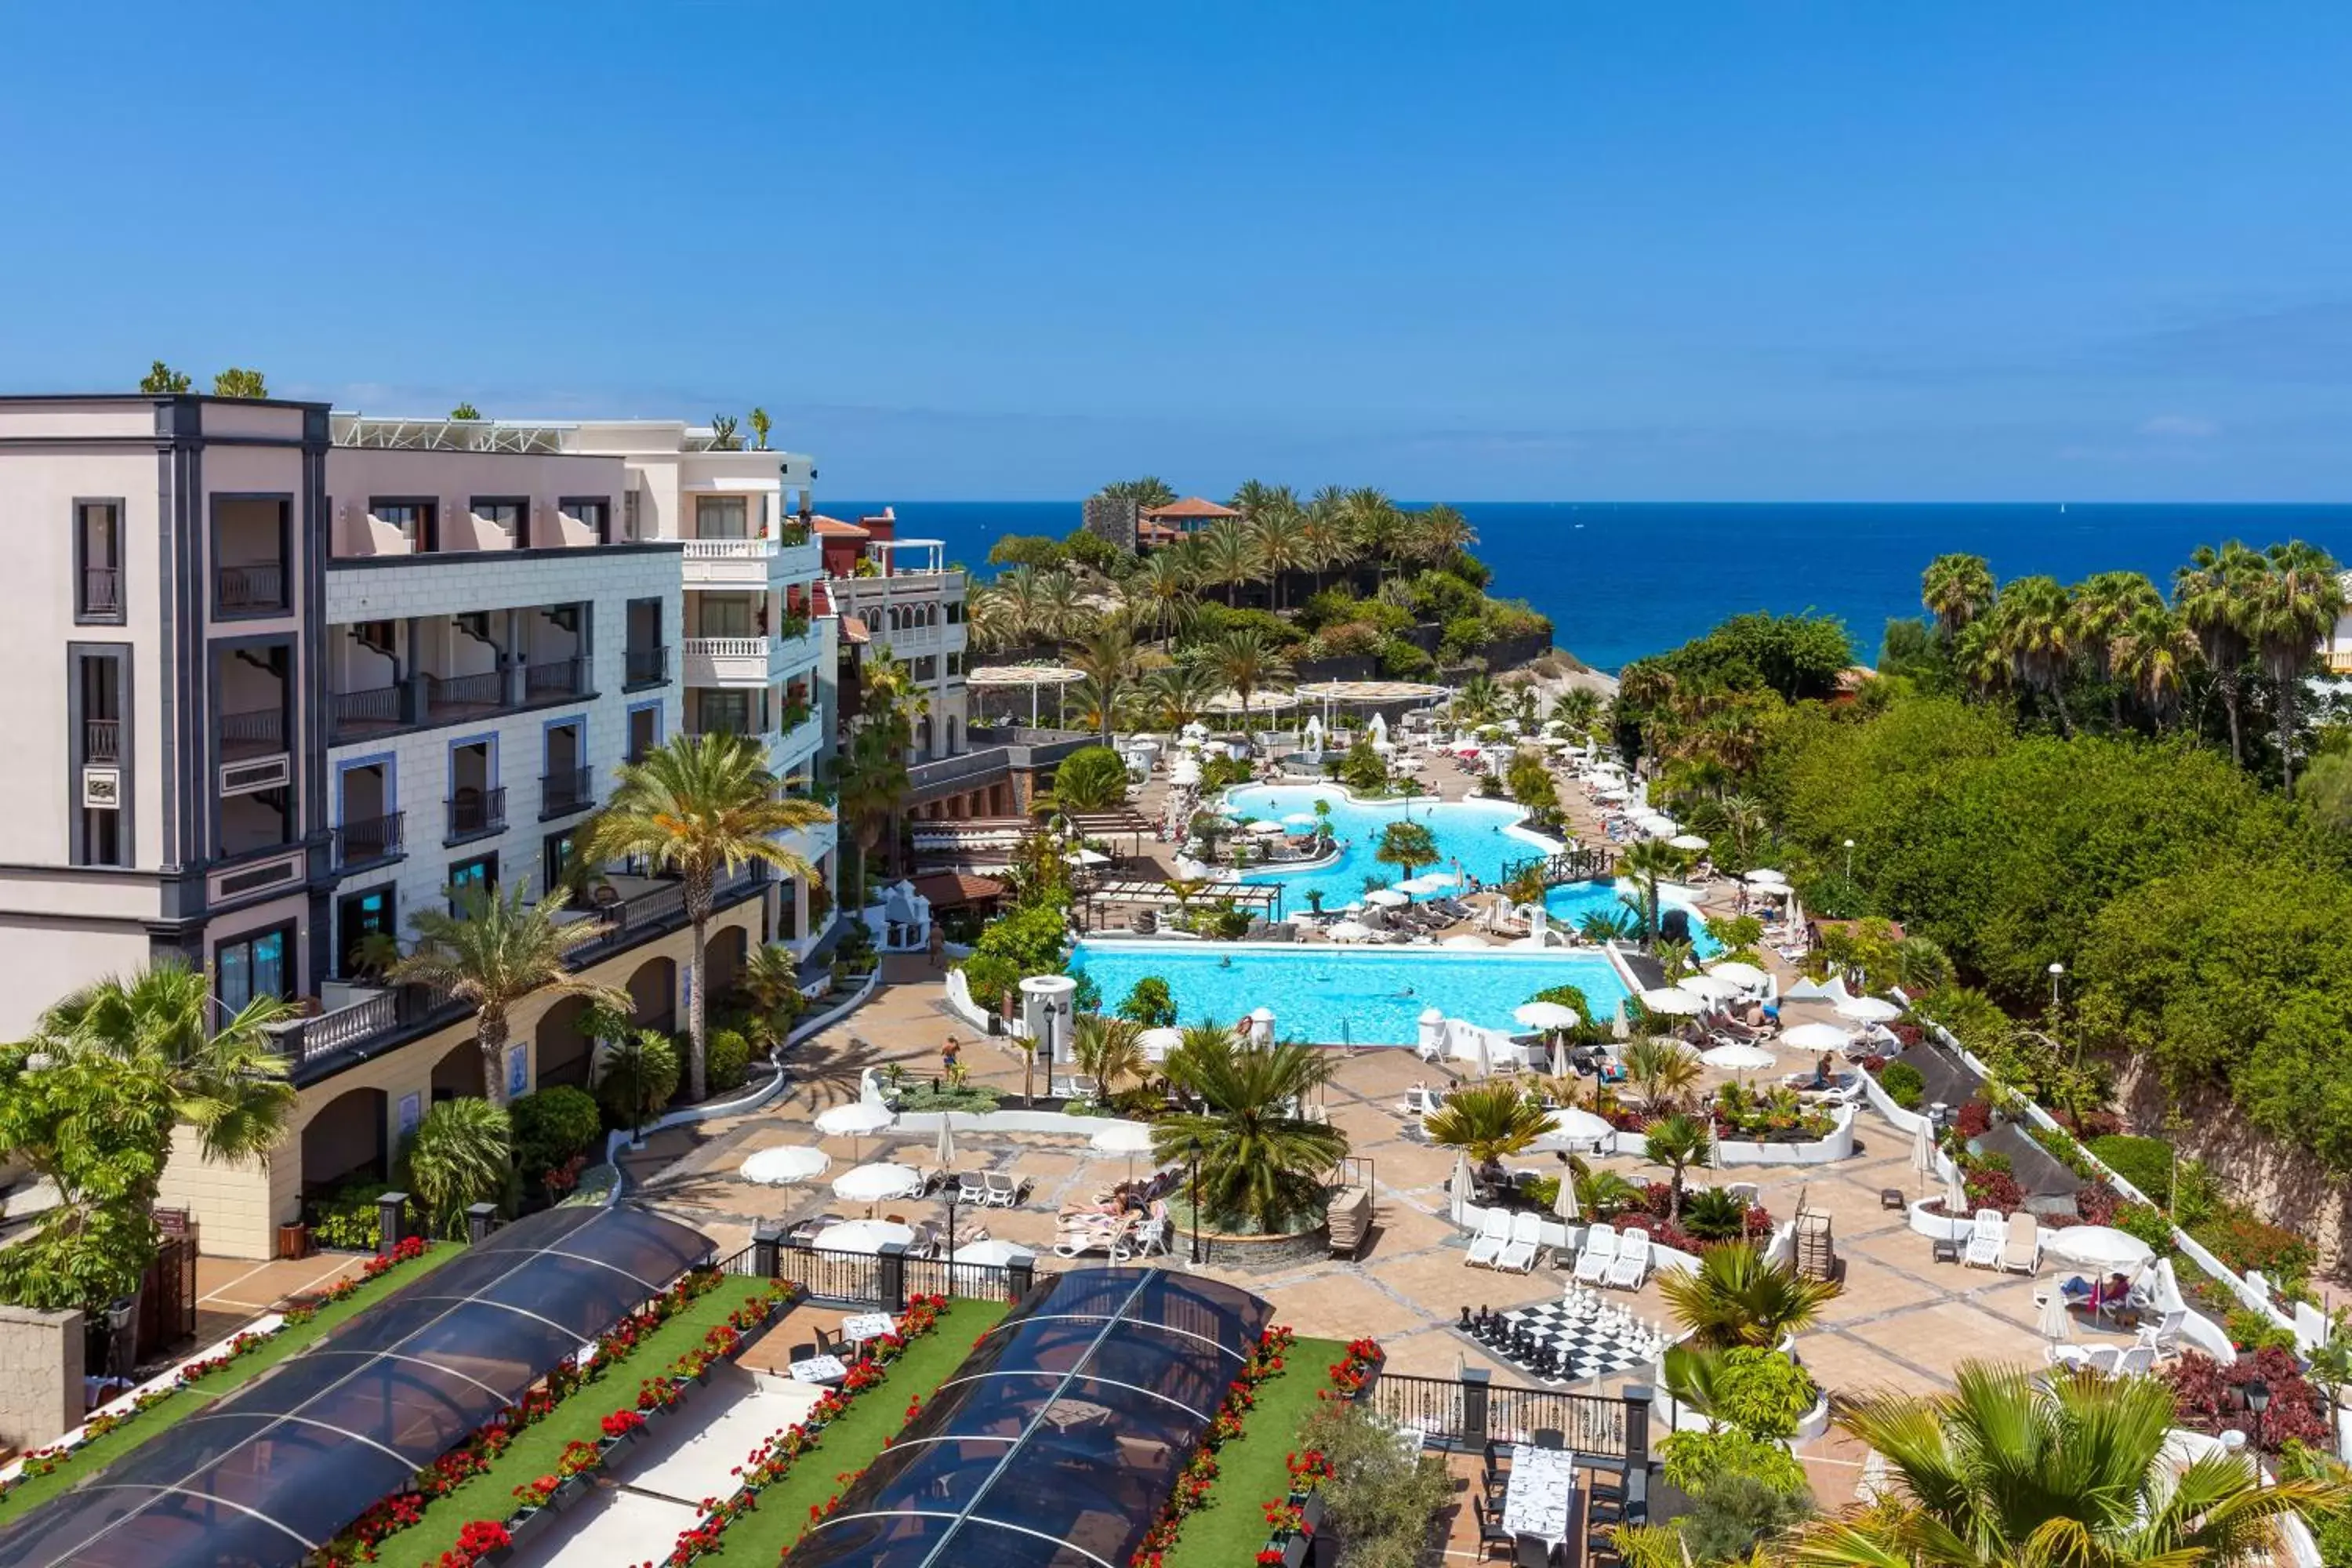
x,y
772,979
1020,597
1260,1156
1979,660
2294,605
1736,1295
2034,624
2213,594
1377,527
2152,658
1743,819
1440,533
1663,1073
1406,845
1063,611
2019,1467
1477,700
700,805
1324,533
1956,589
870,785
1489,1123
2104,605
1645,862
461,1153
1645,688
1147,493
1228,558
1577,708
1110,1050
228,1086
1163,582
1111,666
493,952
1677,1143
1274,538
1250,498
1247,661
1180,693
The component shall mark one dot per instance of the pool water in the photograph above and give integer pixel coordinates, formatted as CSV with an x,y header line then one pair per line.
x,y
1331,995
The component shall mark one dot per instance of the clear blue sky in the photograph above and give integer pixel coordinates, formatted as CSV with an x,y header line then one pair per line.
x,y
1484,251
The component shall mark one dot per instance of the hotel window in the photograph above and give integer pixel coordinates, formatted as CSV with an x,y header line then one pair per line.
x,y
719,517
629,524
418,520
508,517
555,859
594,513
955,664
479,873
255,965
360,920
726,615
97,561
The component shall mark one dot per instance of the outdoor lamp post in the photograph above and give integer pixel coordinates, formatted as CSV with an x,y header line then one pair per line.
x,y
2258,1399
952,1234
1849,859
2057,973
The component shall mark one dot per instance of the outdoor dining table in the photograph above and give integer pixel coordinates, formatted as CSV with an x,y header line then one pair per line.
x,y
866,1326
820,1369
1542,1493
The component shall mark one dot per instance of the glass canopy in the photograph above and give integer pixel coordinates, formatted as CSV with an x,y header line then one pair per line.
x,y
1057,1441
268,1473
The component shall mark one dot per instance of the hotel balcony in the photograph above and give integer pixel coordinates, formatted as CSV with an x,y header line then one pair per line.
x,y
751,563
796,745
751,661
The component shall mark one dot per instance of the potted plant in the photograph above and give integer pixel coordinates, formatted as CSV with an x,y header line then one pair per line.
x,y
620,1427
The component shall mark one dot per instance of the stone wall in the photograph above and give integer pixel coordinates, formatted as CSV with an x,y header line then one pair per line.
x,y
40,1375
1110,520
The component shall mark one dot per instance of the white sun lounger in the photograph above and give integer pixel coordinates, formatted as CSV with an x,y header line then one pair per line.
x,y
1493,1235
1985,1240
1632,1263
1521,1253
2021,1252
1599,1252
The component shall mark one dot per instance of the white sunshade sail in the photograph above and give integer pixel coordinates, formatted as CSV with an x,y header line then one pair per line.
x,y
872,1183
780,1167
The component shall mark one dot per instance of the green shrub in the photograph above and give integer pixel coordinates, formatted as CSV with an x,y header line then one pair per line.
x,y
1092,778
970,1096
1233,924
1694,1459
2145,1163
1403,660
1760,1392
2251,1332
2149,1225
636,1076
1150,1004
1903,1084
725,1060
2242,1241
348,1219
551,1126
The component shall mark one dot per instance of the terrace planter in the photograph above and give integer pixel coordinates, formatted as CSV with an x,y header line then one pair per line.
x,y
572,1489
1361,1396
522,1526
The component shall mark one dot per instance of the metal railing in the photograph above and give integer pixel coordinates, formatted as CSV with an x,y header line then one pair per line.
x,y
868,1280
102,590
1466,1416
255,587
257,730
487,689
101,740
351,709
367,839
302,1038
1568,866
478,811
567,789
646,666
557,677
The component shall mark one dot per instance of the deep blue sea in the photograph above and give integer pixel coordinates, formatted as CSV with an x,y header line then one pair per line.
x,y
1620,580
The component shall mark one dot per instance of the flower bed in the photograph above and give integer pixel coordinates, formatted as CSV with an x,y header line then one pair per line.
x,y
2207,1394
539,1453
196,1384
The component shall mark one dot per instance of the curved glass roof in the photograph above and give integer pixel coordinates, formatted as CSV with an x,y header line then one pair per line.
x,y
265,1475
1057,1441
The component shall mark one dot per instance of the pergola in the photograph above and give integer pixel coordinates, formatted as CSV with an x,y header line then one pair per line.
x,y
1370,693
1259,702
1014,676
1264,899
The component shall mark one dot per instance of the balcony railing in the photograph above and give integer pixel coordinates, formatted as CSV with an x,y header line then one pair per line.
x,y
101,591
256,732
255,587
729,549
646,666
300,1039
369,840
487,689
353,711
556,677
101,740
566,789
476,813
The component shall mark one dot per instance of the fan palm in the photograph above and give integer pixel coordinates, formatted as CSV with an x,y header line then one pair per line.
x,y
2213,595
2034,624
1607,924
494,952
1110,1051
228,1085
1180,693
2153,657
1677,1143
2019,1468
1260,1157
1247,661
2104,605
1663,1073
1228,558
1488,1122
1577,708
700,805
1063,611
461,1153
1736,1295
2294,605
1957,590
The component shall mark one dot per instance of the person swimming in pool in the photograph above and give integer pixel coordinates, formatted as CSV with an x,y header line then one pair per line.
x,y
1225,962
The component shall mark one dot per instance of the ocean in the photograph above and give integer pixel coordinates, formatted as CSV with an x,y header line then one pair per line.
x,y
1620,580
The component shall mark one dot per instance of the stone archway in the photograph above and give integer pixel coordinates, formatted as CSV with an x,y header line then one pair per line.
x,y
722,962
344,1141
652,995
458,1074
565,1053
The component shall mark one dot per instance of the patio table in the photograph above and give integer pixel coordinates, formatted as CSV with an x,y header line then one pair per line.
x,y
1541,1494
820,1369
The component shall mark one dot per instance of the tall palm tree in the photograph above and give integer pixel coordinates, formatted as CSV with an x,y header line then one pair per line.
x,y
1228,558
1324,531
1646,862
1677,1143
1108,660
1180,693
870,784
2035,623
1440,533
1377,526
1645,689
2104,605
1489,1122
2153,655
1957,590
1979,660
1164,583
1110,1050
1736,1295
2293,606
227,1084
1274,538
1250,498
494,952
1261,1157
2021,1468
2213,594
1577,708
1063,611
700,805
1147,493
1248,662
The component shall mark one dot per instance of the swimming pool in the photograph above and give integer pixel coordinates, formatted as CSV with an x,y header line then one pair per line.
x,y
1345,995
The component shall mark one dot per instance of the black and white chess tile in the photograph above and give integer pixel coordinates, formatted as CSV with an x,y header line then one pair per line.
x,y
1586,1346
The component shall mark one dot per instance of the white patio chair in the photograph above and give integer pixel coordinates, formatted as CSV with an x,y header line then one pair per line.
x,y
2103,1359
1985,1240
1493,1235
1599,1252
2021,1252
2136,1361
1633,1262
971,1188
999,1189
2165,1337
1521,1252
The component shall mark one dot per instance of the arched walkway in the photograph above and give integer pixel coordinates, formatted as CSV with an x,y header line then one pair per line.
x,y
652,995
458,1074
722,960
345,1141
565,1052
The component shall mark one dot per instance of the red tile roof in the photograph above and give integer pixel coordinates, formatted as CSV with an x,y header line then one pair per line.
x,y
833,525
1191,506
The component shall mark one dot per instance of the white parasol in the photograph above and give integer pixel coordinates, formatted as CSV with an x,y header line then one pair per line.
x,y
2097,1246
1675,1003
1158,1043
872,1183
2057,1324
1458,1189
986,1252
1738,973
1737,1056
1350,931
1266,830
1815,1037
1564,1205
1301,819
1711,987
944,1151
1868,1009
1923,1150
1765,877
1546,1015
1571,1125
854,1121
1686,841
1127,1138
1441,878
1387,898
1956,1194
780,1167
866,1236
1462,941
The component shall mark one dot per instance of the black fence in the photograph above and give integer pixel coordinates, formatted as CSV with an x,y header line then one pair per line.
x,y
1577,864
1464,1414
878,1281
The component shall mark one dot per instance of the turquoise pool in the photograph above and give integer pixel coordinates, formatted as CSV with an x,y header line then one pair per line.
x,y
1344,996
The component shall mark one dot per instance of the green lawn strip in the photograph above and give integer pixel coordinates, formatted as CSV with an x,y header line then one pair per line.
x,y
580,1418
89,1459
1253,1470
853,1442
